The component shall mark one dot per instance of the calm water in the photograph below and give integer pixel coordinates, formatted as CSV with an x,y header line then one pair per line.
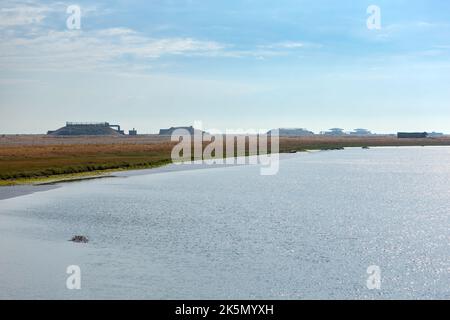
x,y
309,232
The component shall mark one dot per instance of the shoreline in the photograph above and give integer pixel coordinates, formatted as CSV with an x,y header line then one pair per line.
x,y
21,187
49,160
50,183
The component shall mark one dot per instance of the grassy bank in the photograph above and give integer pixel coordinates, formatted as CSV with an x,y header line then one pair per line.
x,y
70,177
47,160
44,162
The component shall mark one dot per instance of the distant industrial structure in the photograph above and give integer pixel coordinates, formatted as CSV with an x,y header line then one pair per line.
x,y
361,132
190,129
292,132
435,134
334,132
107,129
340,132
411,135
90,129
301,132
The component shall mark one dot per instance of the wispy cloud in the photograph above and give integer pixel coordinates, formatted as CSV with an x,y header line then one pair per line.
x,y
91,49
32,13
28,42
23,13
284,45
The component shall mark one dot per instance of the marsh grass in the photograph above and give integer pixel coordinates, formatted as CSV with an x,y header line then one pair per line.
x,y
39,159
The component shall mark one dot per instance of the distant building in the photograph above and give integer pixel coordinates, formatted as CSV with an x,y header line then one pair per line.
x,y
87,129
132,132
334,132
190,129
292,132
411,135
435,134
361,132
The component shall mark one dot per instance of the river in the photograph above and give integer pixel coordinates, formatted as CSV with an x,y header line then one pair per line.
x,y
309,232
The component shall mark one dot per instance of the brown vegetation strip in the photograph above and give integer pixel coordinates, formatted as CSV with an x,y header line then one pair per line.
x,y
39,156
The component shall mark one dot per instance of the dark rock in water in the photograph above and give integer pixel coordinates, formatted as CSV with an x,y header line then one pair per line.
x,y
80,239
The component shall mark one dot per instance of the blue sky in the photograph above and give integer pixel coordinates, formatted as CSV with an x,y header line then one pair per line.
x,y
230,64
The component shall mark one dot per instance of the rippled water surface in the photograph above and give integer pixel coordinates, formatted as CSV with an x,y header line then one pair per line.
x,y
310,231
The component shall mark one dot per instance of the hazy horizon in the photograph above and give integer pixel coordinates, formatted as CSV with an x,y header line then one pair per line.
x,y
230,129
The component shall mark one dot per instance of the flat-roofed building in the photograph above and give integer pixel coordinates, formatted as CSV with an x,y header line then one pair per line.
x,y
292,132
411,135
361,132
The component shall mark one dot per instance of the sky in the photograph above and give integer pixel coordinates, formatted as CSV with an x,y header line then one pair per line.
x,y
248,64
